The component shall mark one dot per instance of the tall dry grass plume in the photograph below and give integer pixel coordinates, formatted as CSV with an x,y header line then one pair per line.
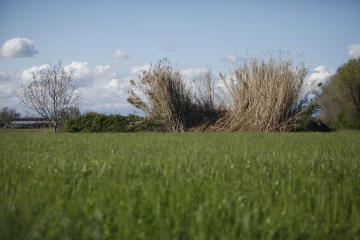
x,y
262,95
259,95
172,102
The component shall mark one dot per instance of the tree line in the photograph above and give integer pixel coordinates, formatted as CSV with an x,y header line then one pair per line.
x,y
7,115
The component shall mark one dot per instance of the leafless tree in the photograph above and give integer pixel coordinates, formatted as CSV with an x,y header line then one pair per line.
x,y
49,94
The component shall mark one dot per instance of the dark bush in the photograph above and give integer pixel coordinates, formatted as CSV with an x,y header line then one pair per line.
x,y
98,122
307,123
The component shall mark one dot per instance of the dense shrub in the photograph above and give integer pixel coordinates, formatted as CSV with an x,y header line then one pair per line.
x,y
306,122
96,123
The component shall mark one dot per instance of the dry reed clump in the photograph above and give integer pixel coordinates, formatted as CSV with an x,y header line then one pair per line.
x,y
171,101
258,95
262,95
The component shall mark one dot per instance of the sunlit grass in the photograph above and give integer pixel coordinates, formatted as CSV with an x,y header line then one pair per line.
x,y
180,186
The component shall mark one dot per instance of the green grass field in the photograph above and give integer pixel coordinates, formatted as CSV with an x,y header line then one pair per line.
x,y
180,186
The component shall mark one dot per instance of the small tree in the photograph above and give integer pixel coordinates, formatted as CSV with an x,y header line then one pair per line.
x,y
349,75
50,94
7,115
340,97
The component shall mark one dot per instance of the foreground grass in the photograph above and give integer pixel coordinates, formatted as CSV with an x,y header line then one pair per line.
x,y
180,186
26,130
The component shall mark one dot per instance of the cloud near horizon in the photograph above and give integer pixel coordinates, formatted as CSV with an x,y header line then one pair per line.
x,y
121,54
353,50
17,48
103,89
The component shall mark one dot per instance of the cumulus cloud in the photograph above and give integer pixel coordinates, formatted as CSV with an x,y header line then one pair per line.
x,y
80,72
99,69
117,87
103,88
6,90
170,48
353,50
113,84
189,74
26,75
121,54
231,58
139,70
17,48
9,75
319,76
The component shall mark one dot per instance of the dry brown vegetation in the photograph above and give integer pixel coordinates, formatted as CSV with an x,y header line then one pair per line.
x,y
173,102
262,95
259,95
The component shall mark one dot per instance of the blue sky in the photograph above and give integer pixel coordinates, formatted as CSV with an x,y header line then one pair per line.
x,y
107,43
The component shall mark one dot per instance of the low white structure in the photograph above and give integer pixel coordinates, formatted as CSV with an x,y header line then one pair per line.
x,y
26,122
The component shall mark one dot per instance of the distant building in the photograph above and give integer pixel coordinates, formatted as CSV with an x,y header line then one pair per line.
x,y
26,122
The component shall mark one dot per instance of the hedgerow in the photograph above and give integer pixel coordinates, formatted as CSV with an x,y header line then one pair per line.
x,y
99,122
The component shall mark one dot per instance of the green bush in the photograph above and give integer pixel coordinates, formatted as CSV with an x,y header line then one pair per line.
x,y
98,122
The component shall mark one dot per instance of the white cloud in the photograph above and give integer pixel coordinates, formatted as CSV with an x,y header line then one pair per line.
x,y
26,76
9,75
121,54
353,50
231,58
6,90
18,47
80,72
171,48
117,87
139,70
102,69
192,72
319,76
189,74
113,84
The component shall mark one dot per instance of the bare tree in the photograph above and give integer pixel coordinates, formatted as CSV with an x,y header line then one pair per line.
x,y
7,115
49,94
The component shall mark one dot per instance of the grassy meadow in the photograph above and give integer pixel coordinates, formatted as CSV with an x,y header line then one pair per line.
x,y
180,186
